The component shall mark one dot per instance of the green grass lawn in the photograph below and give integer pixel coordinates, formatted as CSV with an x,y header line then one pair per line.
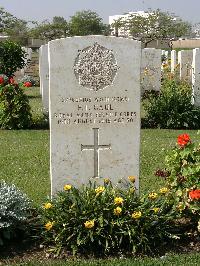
x,y
24,161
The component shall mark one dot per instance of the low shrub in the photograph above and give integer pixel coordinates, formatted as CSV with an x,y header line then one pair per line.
x,y
14,212
14,106
12,58
172,108
183,164
104,220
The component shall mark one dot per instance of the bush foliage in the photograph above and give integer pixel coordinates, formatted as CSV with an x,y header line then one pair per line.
x,y
172,108
14,106
12,58
14,211
105,220
183,165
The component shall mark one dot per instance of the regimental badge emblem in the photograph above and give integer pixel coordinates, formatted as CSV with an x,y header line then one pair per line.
x,y
95,67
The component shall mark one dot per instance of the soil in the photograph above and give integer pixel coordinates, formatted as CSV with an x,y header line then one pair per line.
x,y
23,252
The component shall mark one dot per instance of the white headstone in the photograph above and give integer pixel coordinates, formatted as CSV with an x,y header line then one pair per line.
x,y
44,76
28,57
151,69
196,77
94,110
40,68
166,54
173,61
29,52
185,61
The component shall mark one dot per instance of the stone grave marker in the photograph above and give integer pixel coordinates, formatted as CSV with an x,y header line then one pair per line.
x,y
166,55
94,110
28,57
185,60
162,52
173,61
196,77
151,69
44,76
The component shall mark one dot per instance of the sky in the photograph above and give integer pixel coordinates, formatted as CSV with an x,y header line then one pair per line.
x,y
39,10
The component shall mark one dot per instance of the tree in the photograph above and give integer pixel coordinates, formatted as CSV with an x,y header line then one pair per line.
x,y
7,20
12,58
15,28
56,29
19,32
87,22
154,25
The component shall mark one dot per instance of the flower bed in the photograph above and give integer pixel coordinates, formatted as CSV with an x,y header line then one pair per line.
x,y
104,219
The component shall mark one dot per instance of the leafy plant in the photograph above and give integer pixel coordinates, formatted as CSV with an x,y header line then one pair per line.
x,y
14,107
183,164
14,211
27,78
105,220
12,58
172,108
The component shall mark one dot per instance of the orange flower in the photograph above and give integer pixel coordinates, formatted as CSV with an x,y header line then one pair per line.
x,y
194,194
117,211
183,140
136,215
132,178
106,181
153,195
118,200
49,225
164,190
48,205
89,224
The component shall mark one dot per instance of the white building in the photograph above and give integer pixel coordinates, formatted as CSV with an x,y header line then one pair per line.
x,y
121,31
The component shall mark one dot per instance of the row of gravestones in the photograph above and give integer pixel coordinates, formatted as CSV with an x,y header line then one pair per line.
x,y
187,64
91,87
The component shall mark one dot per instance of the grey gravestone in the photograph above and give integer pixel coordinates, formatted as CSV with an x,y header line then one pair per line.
x,y
185,61
151,69
196,77
173,61
94,110
44,76
28,57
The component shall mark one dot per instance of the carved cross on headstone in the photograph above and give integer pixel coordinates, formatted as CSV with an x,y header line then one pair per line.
x,y
96,147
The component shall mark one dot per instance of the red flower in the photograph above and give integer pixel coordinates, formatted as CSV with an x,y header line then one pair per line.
x,y
11,80
195,194
183,140
27,84
1,80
